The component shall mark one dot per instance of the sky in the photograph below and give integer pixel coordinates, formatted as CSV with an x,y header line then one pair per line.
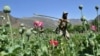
x,y
54,8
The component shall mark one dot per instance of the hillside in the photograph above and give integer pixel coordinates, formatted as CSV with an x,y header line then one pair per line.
x,y
49,23
13,19
28,21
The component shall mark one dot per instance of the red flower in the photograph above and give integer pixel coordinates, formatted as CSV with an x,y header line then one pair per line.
x,y
53,42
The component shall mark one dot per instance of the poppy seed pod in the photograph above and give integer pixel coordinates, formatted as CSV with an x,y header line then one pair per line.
x,y
31,29
35,32
22,25
72,45
28,32
6,9
1,28
4,31
96,7
92,35
53,30
80,7
83,18
23,28
14,33
85,22
2,17
20,31
7,24
92,42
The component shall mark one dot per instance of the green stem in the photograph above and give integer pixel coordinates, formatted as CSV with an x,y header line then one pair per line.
x,y
10,26
97,21
85,26
81,13
93,51
2,23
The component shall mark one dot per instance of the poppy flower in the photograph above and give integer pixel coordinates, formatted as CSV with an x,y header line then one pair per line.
x,y
38,24
93,27
53,42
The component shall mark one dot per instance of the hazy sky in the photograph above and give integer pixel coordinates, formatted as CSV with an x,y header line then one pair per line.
x,y
54,8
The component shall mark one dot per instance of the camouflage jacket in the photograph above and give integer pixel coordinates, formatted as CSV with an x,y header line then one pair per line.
x,y
63,23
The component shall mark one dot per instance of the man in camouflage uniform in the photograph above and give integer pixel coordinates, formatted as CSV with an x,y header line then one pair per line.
x,y
62,26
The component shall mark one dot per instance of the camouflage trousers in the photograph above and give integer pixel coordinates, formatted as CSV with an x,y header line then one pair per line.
x,y
64,33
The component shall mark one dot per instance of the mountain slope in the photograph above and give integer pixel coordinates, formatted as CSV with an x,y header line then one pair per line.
x,y
48,23
28,21
14,20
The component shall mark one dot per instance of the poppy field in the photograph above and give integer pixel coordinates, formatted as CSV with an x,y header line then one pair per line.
x,y
37,41
28,42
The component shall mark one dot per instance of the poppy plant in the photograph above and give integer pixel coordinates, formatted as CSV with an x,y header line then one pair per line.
x,y
53,42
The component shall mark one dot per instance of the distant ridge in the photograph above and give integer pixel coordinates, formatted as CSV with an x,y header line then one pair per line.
x,y
28,21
